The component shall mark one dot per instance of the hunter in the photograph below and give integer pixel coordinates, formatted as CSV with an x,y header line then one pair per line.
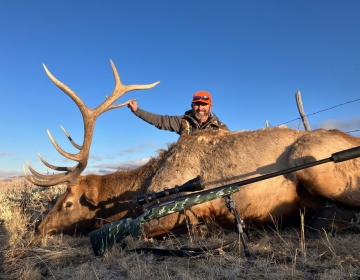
x,y
199,117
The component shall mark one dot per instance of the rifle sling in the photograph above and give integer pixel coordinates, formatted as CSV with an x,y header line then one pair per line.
x,y
188,251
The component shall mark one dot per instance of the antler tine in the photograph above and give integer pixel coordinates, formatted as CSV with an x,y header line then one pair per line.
x,y
48,180
42,176
67,90
70,139
48,183
61,151
119,90
119,105
57,168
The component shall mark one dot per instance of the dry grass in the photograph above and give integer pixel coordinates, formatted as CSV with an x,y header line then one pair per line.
x,y
276,254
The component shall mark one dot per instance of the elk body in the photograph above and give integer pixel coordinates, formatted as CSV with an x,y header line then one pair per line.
x,y
220,158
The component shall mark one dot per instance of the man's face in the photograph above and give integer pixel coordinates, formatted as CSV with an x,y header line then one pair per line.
x,y
201,110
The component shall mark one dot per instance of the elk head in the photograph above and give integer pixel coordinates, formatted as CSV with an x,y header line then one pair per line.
x,y
70,208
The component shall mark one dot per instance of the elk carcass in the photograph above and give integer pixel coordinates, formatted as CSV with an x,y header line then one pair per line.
x,y
220,158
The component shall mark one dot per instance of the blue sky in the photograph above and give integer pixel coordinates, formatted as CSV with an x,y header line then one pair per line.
x,y
251,55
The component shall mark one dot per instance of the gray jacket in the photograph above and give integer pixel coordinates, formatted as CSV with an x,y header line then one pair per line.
x,y
186,124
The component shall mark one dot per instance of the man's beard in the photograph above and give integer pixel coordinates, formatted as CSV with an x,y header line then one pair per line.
x,y
200,117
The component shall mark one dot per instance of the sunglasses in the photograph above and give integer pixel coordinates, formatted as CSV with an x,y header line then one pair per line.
x,y
198,97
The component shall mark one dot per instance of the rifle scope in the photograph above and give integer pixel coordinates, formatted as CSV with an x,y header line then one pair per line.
x,y
192,185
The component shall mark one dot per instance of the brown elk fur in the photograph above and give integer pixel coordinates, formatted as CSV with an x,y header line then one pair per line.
x,y
220,158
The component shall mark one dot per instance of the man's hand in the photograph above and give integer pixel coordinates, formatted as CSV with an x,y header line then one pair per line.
x,y
133,106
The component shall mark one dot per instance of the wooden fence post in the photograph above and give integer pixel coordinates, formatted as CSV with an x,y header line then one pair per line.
x,y
301,110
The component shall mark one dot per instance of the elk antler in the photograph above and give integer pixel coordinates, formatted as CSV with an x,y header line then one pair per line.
x,y
71,174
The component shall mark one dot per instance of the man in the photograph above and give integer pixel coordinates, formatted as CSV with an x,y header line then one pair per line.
x,y
199,117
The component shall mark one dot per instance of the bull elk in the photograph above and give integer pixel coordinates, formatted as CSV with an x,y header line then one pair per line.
x,y
219,157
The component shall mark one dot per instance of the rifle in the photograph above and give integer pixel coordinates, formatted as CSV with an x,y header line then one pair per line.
x,y
110,233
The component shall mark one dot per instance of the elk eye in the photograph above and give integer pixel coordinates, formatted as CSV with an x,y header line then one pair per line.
x,y
68,204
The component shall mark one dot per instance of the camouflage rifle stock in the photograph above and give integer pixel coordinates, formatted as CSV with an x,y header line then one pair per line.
x,y
106,237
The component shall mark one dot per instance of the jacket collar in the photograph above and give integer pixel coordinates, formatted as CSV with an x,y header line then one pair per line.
x,y
189,116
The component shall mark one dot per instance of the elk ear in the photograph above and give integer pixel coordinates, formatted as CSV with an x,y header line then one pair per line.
x,y
91,195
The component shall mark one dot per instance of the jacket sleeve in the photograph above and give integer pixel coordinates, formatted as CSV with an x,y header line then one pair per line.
x,y
165,122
